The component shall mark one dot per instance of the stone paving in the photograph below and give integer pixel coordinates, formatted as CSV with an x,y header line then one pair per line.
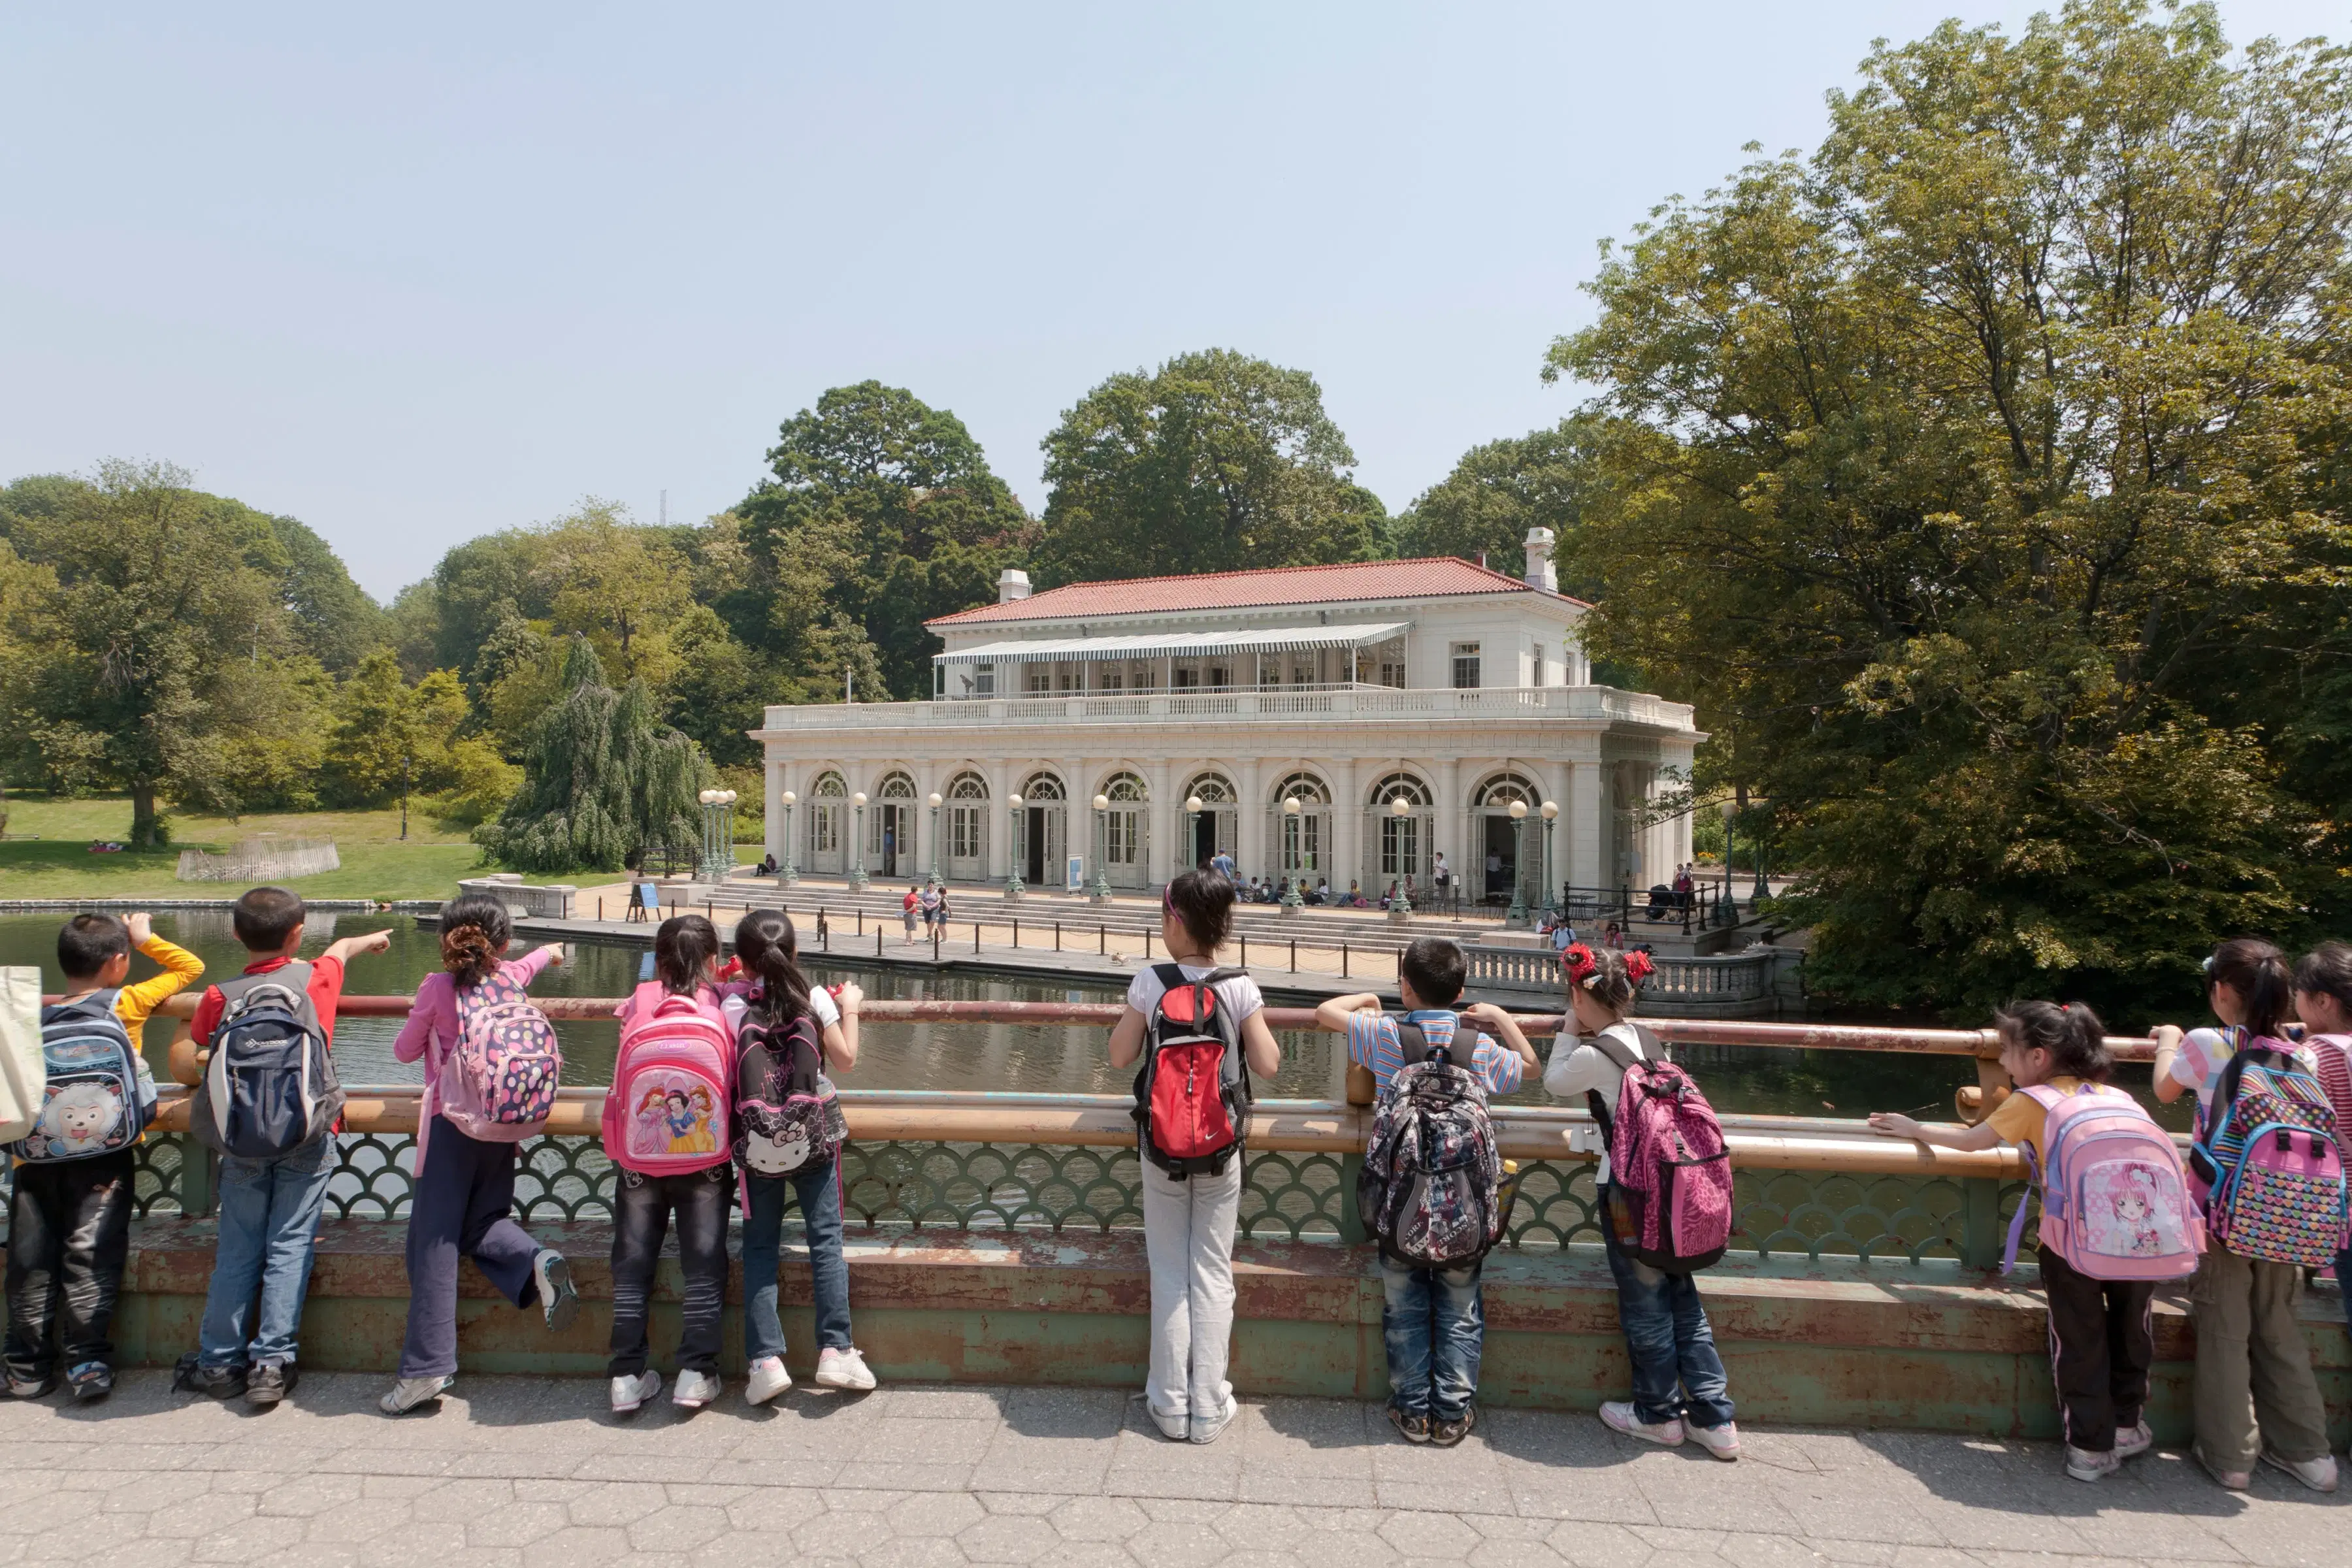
x,y
524,1472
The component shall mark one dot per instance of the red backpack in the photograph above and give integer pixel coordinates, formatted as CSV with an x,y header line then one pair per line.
x,y
1192,1090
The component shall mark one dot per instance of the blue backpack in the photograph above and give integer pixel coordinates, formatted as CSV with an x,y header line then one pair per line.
x,y
270,1085
92,1105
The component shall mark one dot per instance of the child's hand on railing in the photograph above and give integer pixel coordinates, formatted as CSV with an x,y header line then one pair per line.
x,y
1894,1124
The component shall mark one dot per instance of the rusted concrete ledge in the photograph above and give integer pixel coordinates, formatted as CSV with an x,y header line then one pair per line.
x,y
1886,1346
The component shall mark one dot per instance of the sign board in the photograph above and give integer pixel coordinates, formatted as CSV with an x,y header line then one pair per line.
x,y
1075,875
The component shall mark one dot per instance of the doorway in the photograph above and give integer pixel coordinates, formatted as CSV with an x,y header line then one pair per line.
x,y
1501,858
1204,839
892,842
1040,844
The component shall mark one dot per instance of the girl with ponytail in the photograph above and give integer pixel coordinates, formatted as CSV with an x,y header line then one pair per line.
x,y
464,1200
777,998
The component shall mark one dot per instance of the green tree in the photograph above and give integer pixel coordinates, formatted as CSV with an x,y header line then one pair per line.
x,y
1949,469
1213,462
1497,492
602,778
392,738
882,512
157,658
618,584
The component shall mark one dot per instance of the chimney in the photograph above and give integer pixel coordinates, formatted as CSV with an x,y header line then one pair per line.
x,y
1013,583
1540,571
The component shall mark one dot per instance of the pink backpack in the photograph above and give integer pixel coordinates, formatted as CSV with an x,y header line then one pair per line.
x,y
666,1115
1670,1197
498,1083
2115,1199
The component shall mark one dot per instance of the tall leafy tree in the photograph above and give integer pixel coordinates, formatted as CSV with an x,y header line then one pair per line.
x,y
1212,462
158,659
1950,468
1497,492
880,512
392,739
602,777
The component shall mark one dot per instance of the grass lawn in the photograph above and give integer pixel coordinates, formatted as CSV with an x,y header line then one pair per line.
x,y
376,863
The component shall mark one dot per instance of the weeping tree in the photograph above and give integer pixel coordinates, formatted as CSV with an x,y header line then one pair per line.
x,y
601,776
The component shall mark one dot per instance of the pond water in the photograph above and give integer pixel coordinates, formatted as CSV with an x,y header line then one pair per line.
x,y
1052,1059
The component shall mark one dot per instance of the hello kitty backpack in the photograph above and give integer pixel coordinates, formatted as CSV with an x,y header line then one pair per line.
x,y
666,1115
787,1116
2115,1199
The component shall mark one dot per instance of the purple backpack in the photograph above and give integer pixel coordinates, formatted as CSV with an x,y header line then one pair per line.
x,y
2115,1201
499,1082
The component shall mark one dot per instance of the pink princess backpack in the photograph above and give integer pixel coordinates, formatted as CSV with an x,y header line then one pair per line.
x,y
666,1115
2115,1199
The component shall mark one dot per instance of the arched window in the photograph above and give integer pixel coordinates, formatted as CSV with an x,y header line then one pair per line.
x,y
1499,791
1395,787
894,786
967,786
829,786
1043,787
1126,828
967,826
1309,789
1212,790
1126,789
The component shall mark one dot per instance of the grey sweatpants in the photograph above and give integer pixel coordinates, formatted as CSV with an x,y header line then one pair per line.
x,y
1188,1235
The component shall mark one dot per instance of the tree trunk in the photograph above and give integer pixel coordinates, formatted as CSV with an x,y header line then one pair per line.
x,y
142,815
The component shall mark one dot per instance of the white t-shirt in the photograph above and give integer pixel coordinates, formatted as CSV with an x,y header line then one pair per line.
x,y
821,1007
1240,993
1573,1074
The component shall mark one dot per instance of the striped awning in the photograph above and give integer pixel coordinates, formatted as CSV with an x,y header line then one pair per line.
x,y
1173,645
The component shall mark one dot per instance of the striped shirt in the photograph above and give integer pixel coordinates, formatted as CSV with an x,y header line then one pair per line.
x,y
1372,1043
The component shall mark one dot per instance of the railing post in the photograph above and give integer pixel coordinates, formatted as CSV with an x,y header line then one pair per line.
x,y
1361,1090
1981,1229
197,1178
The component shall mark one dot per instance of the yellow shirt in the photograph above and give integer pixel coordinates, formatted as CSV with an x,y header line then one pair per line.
x,y
2020,1118
138,1003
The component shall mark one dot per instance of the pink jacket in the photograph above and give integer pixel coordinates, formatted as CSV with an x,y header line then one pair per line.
x,y
431,1031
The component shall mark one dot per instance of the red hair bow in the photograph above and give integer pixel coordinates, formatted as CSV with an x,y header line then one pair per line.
x,y
1638,966
1578,960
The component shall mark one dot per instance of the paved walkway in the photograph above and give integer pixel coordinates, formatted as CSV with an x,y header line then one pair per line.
x,y
525,1472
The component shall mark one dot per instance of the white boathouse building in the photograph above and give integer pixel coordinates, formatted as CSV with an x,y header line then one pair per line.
x,y
1438,683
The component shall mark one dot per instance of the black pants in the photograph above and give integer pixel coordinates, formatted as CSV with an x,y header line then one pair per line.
x,y
68,1237
462,1208
642,1206
2101,1347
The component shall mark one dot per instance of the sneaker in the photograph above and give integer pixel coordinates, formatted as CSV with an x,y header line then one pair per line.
x,y
2091,1463
1723,1441
1618,1415
411,1392
1412,1424
271,1381
2319,1474
768,1379
2131,1442
628,1393
695,1390
1175,1428
1205,1428
219,1382
837,1368
557,1299
31,1387
1447,1433
97,1380
2231,1480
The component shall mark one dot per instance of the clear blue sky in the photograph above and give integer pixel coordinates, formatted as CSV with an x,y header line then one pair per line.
x,y
417,273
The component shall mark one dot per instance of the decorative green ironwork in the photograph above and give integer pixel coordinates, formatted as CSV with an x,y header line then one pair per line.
x,y
1806,1215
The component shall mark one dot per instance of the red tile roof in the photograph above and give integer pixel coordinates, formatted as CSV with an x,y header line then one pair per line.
x,y
1432,578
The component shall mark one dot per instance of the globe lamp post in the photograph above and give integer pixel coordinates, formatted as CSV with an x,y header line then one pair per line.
x,y
934,804
789,877
858,882
1291,808
1193,825
1400,909
1100,891
1012,888
1551,816
1517,915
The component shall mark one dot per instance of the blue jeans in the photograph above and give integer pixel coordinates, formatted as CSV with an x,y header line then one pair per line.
x,y
1675,1370
269,1233
818,1188
1434,1321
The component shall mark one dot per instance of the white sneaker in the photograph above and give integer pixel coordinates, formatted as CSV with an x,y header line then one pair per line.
x,y
557,1299
411,1392
1205,1428
695,1390
1175,1428
2319,1474
1618,1415
843,1369
2131,1442
2090,1464
628,1393
768,1379
1722,1441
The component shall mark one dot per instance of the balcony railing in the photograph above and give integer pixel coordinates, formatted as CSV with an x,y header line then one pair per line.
x,y
1483,705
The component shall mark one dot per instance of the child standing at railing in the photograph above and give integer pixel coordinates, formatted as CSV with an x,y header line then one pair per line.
x,y
1190,1016
2322,1000
778,1003
2102,1343
665,1126
464,1200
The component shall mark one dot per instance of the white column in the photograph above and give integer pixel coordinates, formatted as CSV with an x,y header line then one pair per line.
x,y
1587,829
778,772
1448,831
1167,817
1078,820
1346,828
1559,782
1249,820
